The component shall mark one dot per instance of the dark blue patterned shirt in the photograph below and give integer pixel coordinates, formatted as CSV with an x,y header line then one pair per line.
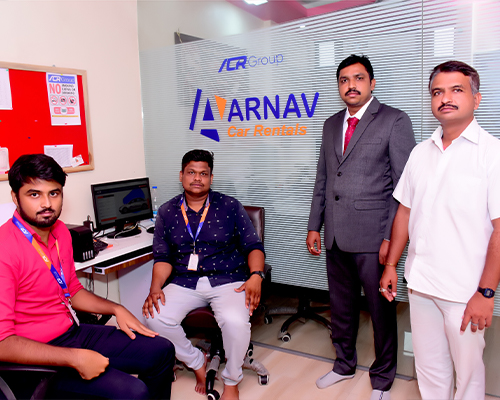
x,y
224,242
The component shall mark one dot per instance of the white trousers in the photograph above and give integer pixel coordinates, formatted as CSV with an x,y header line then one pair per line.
x,y
439,345
230,313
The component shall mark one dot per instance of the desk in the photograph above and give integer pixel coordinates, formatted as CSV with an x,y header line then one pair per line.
x,y
124,253
131,258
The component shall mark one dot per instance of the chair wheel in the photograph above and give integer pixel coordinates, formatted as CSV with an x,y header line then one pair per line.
x,y
213,395
268,320
286,337
250,350
263,379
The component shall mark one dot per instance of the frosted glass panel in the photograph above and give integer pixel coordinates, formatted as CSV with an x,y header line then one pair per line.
x,y
256,94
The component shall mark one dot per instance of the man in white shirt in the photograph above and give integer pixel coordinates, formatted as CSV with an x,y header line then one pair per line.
x,y
449,196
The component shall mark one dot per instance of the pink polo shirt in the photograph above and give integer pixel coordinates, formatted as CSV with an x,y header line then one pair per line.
x,y
31,300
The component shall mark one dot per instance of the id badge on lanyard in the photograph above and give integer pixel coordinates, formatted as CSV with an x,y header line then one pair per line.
x,y
194,258
58,276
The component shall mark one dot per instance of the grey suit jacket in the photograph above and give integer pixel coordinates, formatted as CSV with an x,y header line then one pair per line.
x,y
353,192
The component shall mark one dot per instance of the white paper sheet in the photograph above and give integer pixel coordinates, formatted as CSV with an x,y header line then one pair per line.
x,y
4,160
5,93
6,211
62,153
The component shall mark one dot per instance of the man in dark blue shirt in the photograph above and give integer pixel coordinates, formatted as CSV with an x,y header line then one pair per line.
x,y
206,244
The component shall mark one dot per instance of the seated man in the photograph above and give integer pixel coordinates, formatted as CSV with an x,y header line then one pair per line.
x,y
40,290
210,242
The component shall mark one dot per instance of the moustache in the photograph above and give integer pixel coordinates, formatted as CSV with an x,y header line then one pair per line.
x,y
352,91
45,210
447,105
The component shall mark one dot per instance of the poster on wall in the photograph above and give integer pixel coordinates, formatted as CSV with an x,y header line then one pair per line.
x,y
5,93
63,98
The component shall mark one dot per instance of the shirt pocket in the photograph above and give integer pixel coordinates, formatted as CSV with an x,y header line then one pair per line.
x,y
467,192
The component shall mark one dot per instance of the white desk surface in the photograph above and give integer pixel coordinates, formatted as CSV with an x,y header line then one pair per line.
x,y
120,247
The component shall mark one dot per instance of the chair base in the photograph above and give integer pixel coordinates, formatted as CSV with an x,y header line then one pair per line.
x,y
216,359
303,311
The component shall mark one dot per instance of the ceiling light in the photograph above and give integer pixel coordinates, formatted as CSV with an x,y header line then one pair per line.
x,y
255,2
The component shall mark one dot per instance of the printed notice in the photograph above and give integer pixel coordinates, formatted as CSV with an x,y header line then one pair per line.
x,y
62,153
4,160
63,99
5,93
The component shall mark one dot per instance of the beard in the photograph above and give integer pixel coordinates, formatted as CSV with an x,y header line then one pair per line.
x,y
43,222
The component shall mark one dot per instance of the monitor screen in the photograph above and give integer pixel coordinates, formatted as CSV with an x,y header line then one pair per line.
x,y
119,203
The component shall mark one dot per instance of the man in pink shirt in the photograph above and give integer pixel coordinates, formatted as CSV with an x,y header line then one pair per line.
x,y
40,290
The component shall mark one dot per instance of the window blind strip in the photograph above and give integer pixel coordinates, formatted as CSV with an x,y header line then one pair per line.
x,y
404,41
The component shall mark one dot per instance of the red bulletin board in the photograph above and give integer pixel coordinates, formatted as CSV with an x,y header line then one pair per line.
x,y
27,127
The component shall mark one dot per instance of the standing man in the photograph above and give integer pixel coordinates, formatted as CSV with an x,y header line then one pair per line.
x,y
206,244
449,197
363,153
39,290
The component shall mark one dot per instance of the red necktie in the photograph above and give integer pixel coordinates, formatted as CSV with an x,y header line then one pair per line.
x,y
351,122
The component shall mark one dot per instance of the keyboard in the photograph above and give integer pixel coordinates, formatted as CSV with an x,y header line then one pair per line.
x,y
99,245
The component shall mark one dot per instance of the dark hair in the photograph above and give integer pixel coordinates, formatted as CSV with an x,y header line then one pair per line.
x,y
354,59
29,167
199,155
457,66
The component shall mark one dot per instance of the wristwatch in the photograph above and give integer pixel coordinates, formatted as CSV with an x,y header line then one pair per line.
x,y
260,273
486,292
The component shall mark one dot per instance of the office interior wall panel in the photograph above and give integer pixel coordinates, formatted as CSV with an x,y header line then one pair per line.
x,y
404,40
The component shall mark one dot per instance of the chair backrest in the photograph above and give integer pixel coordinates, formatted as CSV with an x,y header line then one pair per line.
x,y
257,216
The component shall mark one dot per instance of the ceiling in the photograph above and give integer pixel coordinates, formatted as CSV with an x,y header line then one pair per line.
x,y
281,11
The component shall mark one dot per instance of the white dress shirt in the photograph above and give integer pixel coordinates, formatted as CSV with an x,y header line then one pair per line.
x,y
453,195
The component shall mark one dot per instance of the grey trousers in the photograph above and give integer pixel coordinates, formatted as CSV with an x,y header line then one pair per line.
x,y
230,313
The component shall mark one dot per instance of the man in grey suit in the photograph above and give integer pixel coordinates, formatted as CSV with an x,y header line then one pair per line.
x,y
363,152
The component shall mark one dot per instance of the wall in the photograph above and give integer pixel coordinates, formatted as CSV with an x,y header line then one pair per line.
x,y
101,38
207,19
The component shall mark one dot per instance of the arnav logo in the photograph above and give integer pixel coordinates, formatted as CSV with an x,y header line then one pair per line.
x,y
253,107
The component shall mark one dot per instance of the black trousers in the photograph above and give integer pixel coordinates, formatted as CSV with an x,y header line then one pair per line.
x,y
347,273
152,359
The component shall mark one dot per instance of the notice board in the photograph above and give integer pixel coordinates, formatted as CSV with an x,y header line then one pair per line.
x,y
28,127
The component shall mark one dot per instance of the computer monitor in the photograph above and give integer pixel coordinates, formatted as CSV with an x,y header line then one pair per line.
x,y
119,203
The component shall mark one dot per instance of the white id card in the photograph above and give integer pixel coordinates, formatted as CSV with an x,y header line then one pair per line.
x,y
193,262
73,313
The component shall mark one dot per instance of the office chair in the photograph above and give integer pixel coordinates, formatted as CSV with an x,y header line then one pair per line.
x,y
303,311
41,376
202,320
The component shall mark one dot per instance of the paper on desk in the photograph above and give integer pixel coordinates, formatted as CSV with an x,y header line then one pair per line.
x,y
5,93
62,153
6,211
4,160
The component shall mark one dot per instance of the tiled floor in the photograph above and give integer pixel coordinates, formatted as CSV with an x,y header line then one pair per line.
x,y
293,377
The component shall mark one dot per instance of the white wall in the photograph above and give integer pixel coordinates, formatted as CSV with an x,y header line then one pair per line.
x,y
99,37
206,19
